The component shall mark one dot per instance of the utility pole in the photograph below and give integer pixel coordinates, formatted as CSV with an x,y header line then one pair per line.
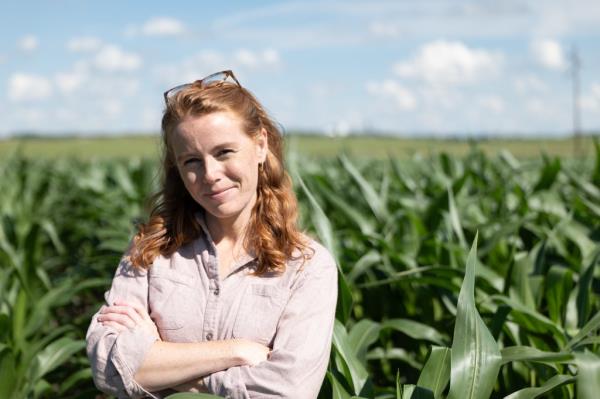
x,y
575,65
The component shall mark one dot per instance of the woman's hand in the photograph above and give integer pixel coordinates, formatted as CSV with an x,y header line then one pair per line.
x,y
251,353
123,316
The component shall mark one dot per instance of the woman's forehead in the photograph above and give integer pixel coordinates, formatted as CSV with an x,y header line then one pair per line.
x,y
207,131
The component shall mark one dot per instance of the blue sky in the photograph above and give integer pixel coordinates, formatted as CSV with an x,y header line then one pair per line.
x,y
396,67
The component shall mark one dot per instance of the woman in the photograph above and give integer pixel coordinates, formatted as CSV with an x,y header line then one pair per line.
x,y
219,292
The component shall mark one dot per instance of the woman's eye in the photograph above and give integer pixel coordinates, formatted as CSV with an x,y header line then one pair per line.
x,y
190,161
224,152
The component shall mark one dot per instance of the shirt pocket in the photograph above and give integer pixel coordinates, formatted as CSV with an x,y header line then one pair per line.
x,y
170,295
259,313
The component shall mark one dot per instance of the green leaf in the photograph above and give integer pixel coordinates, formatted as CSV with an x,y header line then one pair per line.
x,y
586,187
584,287
364,264
320,220
409,391
362,335
455,218
531,319
475,355
337,389
436,372
588,375
530,354
415,330
523,266
534,392
358,373
590,326
344,302
596,172
548,175
325,233
8,376
361,221
559,282
55,354
588,341
371,197
19,317
76,378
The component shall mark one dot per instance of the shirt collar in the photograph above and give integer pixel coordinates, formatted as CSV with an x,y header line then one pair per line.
x,y
242,260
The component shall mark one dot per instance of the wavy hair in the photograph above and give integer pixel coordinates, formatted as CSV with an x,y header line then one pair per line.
x,y
272,232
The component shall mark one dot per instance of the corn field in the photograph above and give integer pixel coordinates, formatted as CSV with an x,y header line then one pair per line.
x,y
470,277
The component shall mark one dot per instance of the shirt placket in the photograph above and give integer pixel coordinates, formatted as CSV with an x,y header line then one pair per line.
x,y
210,327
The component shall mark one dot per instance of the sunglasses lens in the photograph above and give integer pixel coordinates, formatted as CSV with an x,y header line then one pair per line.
x,y
173,92
215,78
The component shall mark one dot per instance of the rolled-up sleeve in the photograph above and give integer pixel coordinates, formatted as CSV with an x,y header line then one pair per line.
x,y
300,354
115,357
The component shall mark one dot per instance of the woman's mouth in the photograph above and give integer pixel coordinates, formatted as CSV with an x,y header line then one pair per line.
x,y
218,194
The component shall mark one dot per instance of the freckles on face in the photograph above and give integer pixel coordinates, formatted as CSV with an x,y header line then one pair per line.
x,y
218,162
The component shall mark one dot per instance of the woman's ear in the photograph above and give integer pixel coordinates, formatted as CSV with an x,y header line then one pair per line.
x,y
262,145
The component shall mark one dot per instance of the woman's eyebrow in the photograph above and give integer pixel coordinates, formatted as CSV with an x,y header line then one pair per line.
x,y
216,148
183,155
224,145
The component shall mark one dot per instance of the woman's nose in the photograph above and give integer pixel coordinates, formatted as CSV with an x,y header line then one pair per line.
x,y
212,170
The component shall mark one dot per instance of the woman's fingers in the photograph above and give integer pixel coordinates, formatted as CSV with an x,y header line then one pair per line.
x,y
140,311
124,310
115,325
120,318
129,316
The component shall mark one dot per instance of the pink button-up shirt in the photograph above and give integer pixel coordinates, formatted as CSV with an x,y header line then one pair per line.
x,y
293,313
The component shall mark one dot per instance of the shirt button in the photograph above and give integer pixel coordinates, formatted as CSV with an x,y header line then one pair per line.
x,y
216,291
209,336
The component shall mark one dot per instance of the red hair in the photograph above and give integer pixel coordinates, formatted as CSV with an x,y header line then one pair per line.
x,y
272,232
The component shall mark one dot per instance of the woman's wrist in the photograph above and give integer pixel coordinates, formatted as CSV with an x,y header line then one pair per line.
x,y
246,352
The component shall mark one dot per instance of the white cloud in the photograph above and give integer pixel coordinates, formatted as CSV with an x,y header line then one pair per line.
x,y
68,82
443,62
549,54
385,29
112,108
163,26
191,69
402,97
591,101
257,59
494,104
441,97
65,114
535,106
84,44
595,90
530,83
26,87
28,43
112,59
209,61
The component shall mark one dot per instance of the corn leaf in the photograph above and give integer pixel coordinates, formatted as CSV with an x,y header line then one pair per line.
x,y
475,355
551,384
436,371
588,375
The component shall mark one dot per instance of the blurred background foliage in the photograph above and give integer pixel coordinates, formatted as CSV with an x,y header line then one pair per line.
x,y
462,275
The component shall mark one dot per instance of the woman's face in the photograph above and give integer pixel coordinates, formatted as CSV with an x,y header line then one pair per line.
x,y
218,163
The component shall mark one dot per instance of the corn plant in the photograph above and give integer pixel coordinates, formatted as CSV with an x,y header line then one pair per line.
x,y
463,277
401,242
